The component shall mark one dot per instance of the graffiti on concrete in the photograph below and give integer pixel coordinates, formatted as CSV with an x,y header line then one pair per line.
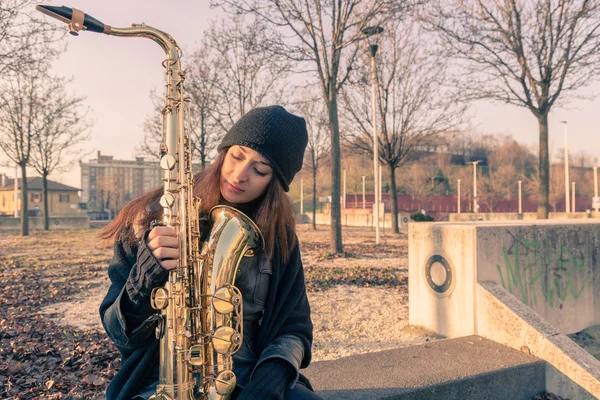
x,y
560,272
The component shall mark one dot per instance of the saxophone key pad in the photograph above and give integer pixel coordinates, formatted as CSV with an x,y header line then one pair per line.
x,y
168,162
167,200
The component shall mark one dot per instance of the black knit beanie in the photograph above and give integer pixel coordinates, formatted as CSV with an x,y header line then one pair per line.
x,y
279,136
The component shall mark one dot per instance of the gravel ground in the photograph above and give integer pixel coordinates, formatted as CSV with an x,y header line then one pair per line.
x,y
51,283
354,316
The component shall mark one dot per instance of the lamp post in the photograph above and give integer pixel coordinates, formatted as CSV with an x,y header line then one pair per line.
x,y
567,205
596,199
573,197
475,204
370,33
520,203
363,181
458,197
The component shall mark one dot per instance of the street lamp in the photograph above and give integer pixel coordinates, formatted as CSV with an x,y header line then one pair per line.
x,y
596,199
567,205
363,182
475,205
370,34
520,202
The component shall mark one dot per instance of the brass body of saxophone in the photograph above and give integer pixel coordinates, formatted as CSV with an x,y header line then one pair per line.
x,y
201,320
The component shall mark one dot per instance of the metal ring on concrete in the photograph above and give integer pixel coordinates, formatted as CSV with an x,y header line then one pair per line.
x,y
445,287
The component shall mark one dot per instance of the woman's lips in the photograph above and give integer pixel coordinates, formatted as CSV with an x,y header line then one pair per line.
x,y
233,188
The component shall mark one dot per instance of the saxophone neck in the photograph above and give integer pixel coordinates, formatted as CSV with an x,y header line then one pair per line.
x,y
164,40
78,20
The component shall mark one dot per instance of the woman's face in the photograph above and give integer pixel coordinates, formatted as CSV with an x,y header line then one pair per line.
x,y
245,175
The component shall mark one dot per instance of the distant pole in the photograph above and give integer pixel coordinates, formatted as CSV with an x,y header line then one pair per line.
x,y
458,197
364,204
373,50
475,205
573,196
567,205
380,186
344,198
16,191
520,203
597,204
301,195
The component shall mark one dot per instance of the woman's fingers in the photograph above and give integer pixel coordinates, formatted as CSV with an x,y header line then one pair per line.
x,y
169,264
163,243
161,231
163,253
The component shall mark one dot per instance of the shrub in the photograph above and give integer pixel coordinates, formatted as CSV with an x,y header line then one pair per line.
x,y
420,217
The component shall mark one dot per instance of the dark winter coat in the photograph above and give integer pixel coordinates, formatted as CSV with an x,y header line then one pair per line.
x,y
130,321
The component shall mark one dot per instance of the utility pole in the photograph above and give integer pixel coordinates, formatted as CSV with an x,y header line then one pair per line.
x,y
475,204
363,181
567,205
596,199
573,196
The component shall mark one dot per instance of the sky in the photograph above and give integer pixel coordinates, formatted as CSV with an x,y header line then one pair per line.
x,y
116,75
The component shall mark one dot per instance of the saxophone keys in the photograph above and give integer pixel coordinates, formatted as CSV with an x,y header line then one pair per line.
x,y
159,298
225,383
195,355
160,328
168,162
167,200
225,339
223,300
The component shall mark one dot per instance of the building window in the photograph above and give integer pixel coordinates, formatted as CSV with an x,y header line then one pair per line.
x,y
63,198
36,197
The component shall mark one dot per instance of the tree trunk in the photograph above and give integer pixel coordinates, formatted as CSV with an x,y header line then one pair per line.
x,y
314,212
336,220
24,203
45,200
393,191
544,168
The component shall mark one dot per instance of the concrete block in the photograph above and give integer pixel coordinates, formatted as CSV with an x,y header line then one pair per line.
x,y
442,277
504,319
551,266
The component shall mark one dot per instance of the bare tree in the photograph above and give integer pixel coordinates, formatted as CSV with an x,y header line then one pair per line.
x,y
202,86
507,163
203,131
557,185
416,103
227,76
25,37
60,128
525,53
318,141
322,36
21,98
247,77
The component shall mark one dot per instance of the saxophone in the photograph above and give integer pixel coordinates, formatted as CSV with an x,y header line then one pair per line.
x,y
201,321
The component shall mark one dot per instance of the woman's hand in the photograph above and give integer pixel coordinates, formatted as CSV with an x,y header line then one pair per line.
x,y
162,242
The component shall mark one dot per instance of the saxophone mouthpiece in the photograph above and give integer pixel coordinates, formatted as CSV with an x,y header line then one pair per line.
x,y
76,19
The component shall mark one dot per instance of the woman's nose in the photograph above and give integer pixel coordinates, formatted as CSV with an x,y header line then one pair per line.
x,y
241,173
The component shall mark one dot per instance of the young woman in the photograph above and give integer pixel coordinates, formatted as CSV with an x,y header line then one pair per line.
x,y
257,160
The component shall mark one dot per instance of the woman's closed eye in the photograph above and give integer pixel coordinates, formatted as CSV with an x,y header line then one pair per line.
x,y
260,173
239,157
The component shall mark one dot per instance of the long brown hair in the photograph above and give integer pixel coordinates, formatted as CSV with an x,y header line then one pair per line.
x,y
274,216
